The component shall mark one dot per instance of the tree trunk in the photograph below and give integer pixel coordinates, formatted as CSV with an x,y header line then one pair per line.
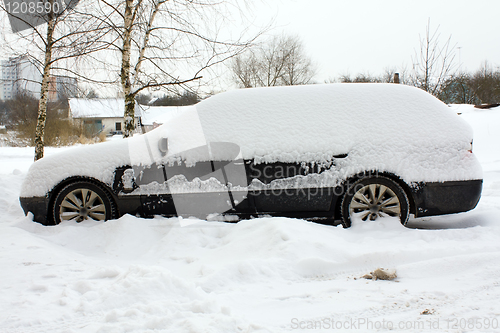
x,y
129,114
44,91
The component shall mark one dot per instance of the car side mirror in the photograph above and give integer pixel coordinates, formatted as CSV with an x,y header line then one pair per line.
x,y
163,146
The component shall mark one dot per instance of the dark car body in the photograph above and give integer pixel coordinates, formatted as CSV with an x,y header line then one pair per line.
x,y
426,199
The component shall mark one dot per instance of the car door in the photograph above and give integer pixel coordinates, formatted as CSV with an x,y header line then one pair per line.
x,y
282,187
209,180
155,196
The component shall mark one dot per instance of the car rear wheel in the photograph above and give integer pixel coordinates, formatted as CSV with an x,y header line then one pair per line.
x,y
82,201
370,199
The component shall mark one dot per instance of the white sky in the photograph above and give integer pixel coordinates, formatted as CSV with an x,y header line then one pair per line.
x,y
368,36
353,36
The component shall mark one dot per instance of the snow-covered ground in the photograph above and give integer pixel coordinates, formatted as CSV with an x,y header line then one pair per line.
x,y
260,275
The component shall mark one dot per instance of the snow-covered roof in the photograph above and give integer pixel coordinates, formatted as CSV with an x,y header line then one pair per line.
x,y
99,108
160,114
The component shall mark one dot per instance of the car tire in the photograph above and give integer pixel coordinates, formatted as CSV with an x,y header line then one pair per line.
x,y
83,200
372,198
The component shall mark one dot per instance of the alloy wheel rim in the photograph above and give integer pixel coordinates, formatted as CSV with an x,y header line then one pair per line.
x,y
82,204
374,201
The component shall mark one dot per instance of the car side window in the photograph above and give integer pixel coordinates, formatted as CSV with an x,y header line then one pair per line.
x,y
267,172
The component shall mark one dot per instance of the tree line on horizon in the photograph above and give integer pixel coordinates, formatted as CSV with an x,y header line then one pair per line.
x,y
282,60
481,86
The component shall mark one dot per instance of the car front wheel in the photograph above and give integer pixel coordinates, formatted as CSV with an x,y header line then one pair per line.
x,y
370,199
82,201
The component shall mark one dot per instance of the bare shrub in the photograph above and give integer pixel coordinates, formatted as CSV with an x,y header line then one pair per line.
x,y
59,131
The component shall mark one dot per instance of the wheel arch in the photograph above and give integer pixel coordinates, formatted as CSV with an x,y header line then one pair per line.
x,y
346,184
74,179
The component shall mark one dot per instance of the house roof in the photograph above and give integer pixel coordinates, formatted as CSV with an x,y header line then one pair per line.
x,y
99,108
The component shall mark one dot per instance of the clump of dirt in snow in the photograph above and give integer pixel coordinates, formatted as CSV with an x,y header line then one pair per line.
x,y
381,274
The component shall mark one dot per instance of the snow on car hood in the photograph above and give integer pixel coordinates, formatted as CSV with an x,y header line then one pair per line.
x,y
96,161
99,161
382,127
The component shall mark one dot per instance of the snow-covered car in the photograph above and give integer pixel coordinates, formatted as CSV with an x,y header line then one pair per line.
x,y
338,152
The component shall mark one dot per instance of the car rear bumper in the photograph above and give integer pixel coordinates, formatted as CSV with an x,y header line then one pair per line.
x,y
38,206
446,197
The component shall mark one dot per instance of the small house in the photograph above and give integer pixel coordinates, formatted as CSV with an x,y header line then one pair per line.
x,y
101,114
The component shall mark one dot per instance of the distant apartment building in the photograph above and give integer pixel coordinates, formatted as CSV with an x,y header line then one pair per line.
x,y
7,79
18,74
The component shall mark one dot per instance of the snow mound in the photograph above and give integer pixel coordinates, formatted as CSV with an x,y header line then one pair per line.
x,y
486,134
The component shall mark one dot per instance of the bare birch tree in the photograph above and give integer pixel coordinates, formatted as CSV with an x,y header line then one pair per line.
x,y
165,43
433,63
60,33
280,61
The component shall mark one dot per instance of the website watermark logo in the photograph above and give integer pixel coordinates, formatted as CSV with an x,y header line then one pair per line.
x,y
28,14
368,324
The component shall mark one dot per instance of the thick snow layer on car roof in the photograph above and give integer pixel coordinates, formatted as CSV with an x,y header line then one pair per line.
x,y
160,114
284,122
385,127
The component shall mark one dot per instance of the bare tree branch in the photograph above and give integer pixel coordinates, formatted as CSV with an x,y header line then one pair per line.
x,y
280,61
434,63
